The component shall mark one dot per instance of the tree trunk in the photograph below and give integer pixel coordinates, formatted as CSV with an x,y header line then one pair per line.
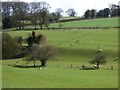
x,y
41,26
98,66
35,26
34,63
47,27
43,62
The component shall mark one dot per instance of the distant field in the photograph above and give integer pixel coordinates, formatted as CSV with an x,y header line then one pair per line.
x,y
102,22
65,18
58,73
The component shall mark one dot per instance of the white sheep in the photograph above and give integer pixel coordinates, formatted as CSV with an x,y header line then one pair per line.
x,y
96,66
17,61
71,44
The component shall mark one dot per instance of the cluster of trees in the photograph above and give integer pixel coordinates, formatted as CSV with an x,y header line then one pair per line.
x,y
21,14
36,50
71,12
113,11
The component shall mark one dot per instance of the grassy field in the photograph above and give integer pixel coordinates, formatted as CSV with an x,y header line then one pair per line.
x,y
66,18
0,74
82,24
0,61
58,73
102,22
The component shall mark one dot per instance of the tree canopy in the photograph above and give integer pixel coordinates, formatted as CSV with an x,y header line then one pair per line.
x,y
58,12
38,50
71,12
19,15
98,60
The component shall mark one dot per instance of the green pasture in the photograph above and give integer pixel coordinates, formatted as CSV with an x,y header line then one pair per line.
x,y
0,74
102,22
58,77
66,18
88,23
59,73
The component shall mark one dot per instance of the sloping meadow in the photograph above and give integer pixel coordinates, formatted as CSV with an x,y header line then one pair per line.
x,y
76,48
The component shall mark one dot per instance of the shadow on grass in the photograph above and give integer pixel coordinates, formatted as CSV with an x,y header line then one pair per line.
x,y
23,66
88,68
21,55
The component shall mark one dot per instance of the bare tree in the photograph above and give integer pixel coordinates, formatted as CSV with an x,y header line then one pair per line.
x,y
71,12
39,12
43,53
59,12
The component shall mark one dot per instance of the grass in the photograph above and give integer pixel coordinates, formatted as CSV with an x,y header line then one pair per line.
x,y
102,22
66,18
52,77
0,74
58,73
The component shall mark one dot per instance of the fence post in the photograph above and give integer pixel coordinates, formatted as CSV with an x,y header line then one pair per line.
x,y
71,66
111,67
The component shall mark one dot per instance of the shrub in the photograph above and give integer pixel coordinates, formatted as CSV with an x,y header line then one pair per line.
x,y
98,60
10,46
19,39
36,39
6,23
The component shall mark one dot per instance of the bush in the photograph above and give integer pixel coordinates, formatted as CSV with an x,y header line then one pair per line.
x,y
10,46
36,39
6,23
98,60
19,39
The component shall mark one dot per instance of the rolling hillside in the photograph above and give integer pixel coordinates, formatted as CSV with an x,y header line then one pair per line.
x,y
76,48
101,22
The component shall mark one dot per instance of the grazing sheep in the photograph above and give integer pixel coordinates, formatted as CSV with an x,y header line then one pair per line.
x,y
95,66
17,61
83,66
40,68
100,50
116,59
71,44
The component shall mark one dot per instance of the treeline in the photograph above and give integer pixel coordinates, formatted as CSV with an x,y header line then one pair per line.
x,y
19,15
113,11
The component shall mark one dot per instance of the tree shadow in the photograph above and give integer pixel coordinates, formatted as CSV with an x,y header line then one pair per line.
x,y
88,68
21,55
24,66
